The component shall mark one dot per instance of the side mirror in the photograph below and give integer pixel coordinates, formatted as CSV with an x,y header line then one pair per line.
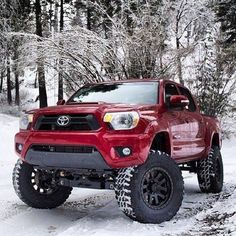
x,y
61,102
179,101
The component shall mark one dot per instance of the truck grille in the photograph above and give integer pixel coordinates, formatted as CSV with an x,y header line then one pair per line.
x,y
78,122
64,149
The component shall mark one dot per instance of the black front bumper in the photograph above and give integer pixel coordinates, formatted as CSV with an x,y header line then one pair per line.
x,y
62,160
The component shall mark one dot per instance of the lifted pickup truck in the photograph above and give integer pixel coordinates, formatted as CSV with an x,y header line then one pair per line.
x,y
132,136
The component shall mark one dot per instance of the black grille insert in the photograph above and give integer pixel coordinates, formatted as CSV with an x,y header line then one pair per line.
x,y
78,122
64,149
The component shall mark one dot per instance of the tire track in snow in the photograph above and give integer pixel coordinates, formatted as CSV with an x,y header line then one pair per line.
x,y
11,209
188,221
85,205
49,222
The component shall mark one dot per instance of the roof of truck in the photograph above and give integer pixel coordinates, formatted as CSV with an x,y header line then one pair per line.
x,y
129,80
138,80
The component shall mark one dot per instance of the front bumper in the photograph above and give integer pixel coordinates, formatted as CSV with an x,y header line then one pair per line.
x,y
66,160
106,156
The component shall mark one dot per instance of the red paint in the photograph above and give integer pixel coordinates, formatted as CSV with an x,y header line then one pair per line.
x,y
190,133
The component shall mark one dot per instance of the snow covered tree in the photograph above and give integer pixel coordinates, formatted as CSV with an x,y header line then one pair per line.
x,y
40,60
82,41
225,12
12,19
188,24
214,88
226,15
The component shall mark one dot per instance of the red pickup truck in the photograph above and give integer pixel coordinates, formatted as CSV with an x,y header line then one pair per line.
x,y
132,136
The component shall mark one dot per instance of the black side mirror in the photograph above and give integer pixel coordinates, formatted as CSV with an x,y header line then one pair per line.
x,y
61,102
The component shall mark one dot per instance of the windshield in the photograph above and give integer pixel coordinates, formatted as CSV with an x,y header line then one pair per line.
x,y
126,93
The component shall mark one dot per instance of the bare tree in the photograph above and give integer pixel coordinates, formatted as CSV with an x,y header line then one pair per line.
x,y
188,23
60,73
40,60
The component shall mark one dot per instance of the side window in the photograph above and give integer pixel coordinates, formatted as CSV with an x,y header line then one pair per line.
x,y
170,90
186,93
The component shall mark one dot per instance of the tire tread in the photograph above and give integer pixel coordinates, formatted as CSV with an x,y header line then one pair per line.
x,y
36,200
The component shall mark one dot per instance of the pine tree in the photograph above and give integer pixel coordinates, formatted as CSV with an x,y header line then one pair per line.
x,y
226,13
213,86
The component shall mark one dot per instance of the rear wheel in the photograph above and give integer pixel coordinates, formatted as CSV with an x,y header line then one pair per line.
x,y
37,188
210,172
152,192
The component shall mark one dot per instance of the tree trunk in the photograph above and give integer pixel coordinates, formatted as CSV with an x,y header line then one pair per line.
x,y
107,24
42,86
9,96
61,16
1,80
17,89
56,17
179,69
50,16
178,62
60,75
88,16
129,20
40,62
177,42
134,66
36,81
16,74
60,80
109,61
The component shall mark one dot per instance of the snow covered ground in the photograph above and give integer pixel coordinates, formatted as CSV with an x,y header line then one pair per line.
x,y
95,212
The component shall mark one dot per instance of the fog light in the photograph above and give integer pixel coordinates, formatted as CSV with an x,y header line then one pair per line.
x,y
126,151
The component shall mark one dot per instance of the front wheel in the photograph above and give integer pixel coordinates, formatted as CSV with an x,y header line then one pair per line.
x,y
152,192
210,172
37,188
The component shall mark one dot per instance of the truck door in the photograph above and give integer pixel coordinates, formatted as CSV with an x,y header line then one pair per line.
x,y
177,125
196,127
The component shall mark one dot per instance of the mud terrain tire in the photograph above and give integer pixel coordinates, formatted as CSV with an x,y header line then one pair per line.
x,y
152,192
45,196
210,172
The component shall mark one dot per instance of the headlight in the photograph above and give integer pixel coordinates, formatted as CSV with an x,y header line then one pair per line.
x,y
122,120
25,120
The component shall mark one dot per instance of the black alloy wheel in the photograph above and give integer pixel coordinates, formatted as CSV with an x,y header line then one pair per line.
x,y
152,192
43,182
38,188
156,188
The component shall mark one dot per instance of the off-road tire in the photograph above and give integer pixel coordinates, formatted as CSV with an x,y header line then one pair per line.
x,y
130,187
210,172
24,189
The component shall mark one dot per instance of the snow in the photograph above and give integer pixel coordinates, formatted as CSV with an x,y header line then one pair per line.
x,y
95,212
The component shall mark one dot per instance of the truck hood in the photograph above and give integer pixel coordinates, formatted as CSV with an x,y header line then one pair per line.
x,y
93,108
147,112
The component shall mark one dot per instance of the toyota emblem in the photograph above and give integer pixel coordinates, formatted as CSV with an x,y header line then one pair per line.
x,y
63,120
